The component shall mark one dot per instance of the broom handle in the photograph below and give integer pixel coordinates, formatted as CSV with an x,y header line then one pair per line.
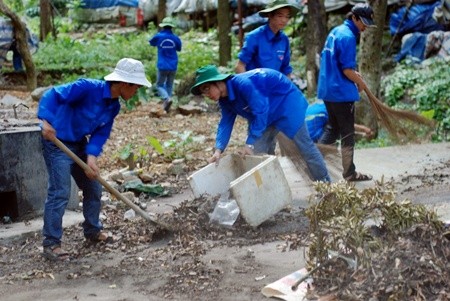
x,y
369,93
111,189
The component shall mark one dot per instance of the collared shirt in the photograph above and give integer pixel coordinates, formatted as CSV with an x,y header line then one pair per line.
x,y
79,109
264,49
265,98
168,44
339,53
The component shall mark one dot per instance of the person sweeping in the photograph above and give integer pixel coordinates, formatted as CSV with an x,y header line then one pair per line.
x,y
339,85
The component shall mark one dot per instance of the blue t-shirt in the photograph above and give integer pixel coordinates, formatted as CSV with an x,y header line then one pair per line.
x,y
339,53
265,98
79,109
316,118
168,44
263,49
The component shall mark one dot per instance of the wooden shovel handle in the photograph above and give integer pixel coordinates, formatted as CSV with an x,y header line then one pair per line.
x,y
111,189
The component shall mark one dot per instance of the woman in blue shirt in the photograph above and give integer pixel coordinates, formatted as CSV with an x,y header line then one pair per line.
x,y
168,44
270,102
81,115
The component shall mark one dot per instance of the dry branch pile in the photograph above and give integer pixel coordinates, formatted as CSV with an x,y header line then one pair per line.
x,y
392,250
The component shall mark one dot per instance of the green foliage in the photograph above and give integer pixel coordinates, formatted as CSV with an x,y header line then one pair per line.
x,y
95,54
74,4
134,155
89,56
178,147
135,100
198,50
424,86
125,152
15,5
155,144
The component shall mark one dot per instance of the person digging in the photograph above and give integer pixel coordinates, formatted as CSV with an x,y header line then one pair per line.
x,y
81,115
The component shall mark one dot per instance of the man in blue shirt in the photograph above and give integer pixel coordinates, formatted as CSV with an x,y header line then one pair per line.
x,y
81,115
168,44
339,85
268,46
270,102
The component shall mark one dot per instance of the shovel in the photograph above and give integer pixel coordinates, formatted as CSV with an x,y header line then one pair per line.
x,y
111,189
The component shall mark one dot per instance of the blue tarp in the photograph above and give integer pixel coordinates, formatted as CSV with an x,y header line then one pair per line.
x,y
109,3
413,47
419,46
7,43
419,18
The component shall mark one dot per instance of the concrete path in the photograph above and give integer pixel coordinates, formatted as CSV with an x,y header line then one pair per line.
x,y
388,162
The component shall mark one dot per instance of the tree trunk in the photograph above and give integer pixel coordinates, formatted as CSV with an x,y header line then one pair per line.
x,y
161,11
370,62
224,24
22,46
46,17
316,35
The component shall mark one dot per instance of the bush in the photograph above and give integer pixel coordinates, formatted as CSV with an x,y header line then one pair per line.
x,y
423,87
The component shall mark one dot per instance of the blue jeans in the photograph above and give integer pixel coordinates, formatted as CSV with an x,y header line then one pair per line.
x,y
60,167
306,147
164,83
17,59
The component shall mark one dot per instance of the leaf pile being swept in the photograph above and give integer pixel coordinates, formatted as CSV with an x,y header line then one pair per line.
x,y
372,247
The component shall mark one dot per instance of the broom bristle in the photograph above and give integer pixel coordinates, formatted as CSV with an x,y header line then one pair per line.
x,y
330,153
395,121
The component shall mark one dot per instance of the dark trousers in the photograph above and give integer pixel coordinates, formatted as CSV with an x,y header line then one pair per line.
x,y
341,125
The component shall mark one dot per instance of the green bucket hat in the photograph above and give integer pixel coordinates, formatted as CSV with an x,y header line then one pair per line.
x,y
167,21
277,4
207,74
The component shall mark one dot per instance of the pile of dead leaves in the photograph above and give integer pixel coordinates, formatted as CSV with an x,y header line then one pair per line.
x,y
372,247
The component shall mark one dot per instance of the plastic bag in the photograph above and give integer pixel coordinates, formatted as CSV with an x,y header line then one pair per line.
x,y
226,211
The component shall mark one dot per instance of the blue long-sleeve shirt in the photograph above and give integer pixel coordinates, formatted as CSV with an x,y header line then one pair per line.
x,y
264,97
168,44
339,53
79,109
316,118
264,49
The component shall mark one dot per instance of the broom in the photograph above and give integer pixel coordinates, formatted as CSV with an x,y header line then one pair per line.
x,y
393,120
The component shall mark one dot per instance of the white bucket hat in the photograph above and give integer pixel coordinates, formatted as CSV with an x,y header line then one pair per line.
x,y
129,71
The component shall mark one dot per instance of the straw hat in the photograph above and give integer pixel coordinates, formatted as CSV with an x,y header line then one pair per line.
x,y
129,71
207,74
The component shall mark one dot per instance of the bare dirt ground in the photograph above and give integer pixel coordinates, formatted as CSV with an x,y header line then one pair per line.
x,y
198,261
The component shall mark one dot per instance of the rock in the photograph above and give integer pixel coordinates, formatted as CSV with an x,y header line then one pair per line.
x,y
190,109
145,177
37,93
157,112
177,167
116,177
129,195
10,101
